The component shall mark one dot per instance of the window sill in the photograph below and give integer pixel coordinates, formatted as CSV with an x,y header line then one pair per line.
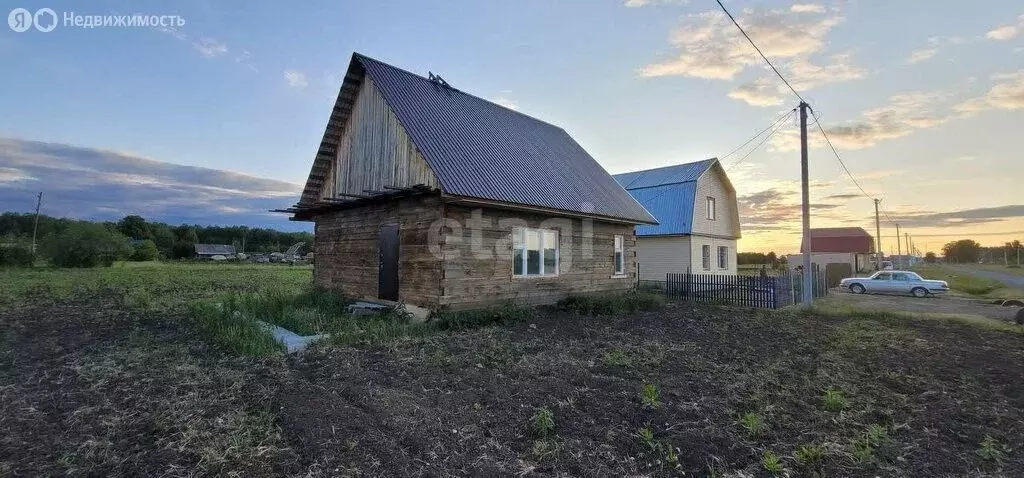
x,y
620,276
533,277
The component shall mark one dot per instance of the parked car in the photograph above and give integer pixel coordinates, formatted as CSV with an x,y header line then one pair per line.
x,y
895,282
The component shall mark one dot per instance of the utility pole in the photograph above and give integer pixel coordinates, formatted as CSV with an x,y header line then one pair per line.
x,y
899,250
907,236
878,237
808,295
35,226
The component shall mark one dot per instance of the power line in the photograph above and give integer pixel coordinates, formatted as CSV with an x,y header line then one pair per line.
x,y
842,163
755,148
759,133
734,22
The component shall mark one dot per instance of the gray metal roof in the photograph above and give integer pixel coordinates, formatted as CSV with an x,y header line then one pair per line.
x,y
478,149
215,249
669,193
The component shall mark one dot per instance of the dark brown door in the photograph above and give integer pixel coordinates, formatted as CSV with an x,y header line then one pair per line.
x,y
387,245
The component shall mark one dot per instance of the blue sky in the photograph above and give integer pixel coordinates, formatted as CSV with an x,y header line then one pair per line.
x,y
925,100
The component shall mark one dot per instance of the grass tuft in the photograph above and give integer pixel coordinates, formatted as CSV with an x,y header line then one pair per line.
x,y
833,400
992,450
771,462
650,396
752,424
542,423
612,303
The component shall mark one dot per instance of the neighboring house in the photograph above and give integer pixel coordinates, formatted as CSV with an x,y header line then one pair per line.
x,y
425,194
698,221
206,251
838,245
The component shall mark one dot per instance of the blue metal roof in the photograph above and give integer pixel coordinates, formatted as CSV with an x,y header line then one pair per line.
x,y
668,193
679,173
482,150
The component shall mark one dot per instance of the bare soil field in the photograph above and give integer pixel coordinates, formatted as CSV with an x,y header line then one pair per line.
x,y
88,388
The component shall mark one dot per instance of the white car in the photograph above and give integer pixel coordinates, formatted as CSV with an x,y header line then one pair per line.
x,y
895,282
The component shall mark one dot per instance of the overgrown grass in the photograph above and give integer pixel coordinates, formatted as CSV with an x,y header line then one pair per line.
x,y
889,318
151,285
237,320
607,304
961,281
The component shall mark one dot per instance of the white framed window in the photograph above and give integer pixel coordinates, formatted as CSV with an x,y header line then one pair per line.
x,y
723,257
705,256
534,252
620,260
711,208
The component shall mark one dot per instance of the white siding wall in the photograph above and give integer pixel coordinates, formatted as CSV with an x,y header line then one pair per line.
x,y
658,256
726,223
696,243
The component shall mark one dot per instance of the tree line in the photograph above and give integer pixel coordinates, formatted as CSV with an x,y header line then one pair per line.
x,y
80,243
970,251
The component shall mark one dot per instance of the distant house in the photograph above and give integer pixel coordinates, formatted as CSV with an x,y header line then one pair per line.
x,y
698,220
206,251
425,194
838,245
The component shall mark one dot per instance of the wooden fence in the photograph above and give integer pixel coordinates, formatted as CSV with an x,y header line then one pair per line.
x,y
770,292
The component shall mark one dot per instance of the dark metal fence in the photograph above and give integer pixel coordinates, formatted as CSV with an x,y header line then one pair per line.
x,y
769,292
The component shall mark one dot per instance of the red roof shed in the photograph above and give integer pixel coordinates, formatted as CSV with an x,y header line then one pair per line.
x,y
841,239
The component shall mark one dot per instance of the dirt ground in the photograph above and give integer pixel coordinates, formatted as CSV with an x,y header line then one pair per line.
x,y
944,304
88,389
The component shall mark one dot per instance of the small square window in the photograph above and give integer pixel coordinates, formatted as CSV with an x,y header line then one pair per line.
x,y
534,252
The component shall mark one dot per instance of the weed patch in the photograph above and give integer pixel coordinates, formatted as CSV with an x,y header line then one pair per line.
x,y
612,303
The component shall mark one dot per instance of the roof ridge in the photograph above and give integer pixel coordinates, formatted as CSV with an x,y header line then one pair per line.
x,y
421,77
661,185
666,167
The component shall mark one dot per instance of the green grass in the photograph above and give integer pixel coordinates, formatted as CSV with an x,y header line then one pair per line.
x,y
608,304
234,320
837,309
169,286
963,282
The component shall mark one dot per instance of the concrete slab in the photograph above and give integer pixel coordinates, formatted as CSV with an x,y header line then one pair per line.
x,y
293,342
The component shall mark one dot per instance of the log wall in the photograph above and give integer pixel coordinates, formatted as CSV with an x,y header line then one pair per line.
x,y
346,249
477,267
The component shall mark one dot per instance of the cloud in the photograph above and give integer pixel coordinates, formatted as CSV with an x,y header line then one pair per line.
x,y
296,79
637,3
644,3
98,184
807,8
905,113
842,197
210,47
1007,95
803,74
964,217
711,47
917,56
501,100
774,207
1004,32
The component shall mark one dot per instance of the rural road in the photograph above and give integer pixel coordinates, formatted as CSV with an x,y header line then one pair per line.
x,y
1013,280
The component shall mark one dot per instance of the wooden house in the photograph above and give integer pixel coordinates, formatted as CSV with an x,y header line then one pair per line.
x,y
425,194
698,219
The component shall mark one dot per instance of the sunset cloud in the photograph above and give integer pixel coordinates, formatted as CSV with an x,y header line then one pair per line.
x,y
99,184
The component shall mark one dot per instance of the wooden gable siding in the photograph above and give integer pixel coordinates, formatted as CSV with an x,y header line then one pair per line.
x,y
374,150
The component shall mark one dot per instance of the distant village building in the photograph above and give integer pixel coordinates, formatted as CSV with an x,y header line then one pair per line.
x,y
207,251
698,220
839,251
